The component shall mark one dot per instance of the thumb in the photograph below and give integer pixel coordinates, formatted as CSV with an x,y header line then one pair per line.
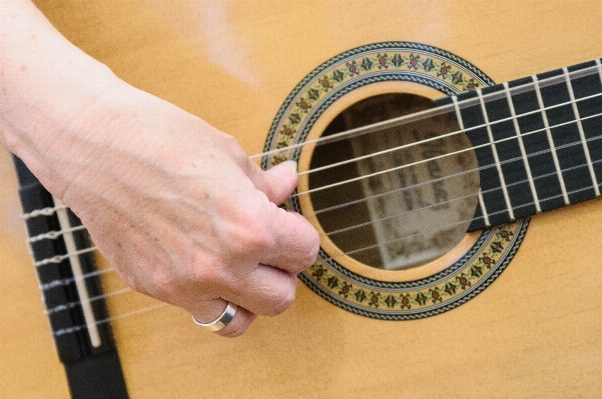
x,y
279,182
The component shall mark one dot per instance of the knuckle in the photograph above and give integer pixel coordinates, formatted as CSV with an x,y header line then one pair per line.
x,y
151,285
207,274
259,239
305,258
232,145
161,282
311,250
251,236
281,302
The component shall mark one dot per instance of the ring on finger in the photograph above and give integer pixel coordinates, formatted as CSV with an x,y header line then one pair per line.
x,y
222,321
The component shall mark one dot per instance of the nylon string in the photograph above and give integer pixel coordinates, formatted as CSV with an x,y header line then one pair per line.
x,y
340,136
429,113
73,304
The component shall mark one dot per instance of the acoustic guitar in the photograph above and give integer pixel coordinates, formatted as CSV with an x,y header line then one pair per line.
x,y
407,139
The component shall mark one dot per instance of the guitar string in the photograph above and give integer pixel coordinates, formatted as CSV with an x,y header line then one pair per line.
x,y
51,235
55,234
65,331
66,281
440,110
418,116
33,214
469,149
60,258
80,327
75,329
73,304
50,210
458,174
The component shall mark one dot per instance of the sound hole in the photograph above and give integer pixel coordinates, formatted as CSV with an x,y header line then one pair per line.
x,y
417,210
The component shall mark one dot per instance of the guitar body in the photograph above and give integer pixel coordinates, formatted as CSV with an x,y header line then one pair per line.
x,y
533,332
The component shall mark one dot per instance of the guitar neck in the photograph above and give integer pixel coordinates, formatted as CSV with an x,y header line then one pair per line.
x,y
537,142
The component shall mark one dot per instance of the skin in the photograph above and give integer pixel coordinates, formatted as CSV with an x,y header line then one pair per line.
x,y
175,205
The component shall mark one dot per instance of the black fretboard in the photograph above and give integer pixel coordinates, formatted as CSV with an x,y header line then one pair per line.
x,y
538,142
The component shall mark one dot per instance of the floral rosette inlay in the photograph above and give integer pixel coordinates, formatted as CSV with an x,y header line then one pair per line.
x,y
380,62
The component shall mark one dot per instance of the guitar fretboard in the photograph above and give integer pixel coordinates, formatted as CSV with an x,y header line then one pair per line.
x,y
538,141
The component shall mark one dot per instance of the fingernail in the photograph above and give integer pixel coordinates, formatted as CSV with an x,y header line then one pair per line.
x,y
290,164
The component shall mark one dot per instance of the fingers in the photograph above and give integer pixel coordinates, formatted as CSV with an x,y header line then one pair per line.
x,y
239,324
277,183
268,292
281,245
295,242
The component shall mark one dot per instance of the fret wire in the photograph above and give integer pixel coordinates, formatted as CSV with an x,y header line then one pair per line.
x,y
551,141
480,193
496,158
521,145
59,258
462,130
588,157
599,66
328,234
546,128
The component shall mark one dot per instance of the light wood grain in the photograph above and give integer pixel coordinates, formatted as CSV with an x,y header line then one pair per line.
x,y
534,333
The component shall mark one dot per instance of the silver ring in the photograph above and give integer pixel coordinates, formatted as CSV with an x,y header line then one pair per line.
x,y
222,321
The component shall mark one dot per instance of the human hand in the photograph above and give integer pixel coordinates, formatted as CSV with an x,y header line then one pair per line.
x,y
175,205
180,211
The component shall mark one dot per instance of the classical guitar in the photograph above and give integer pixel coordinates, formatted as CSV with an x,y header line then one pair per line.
x,y
459,216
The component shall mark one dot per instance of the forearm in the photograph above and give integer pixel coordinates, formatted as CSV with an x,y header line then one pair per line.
x,y
46,85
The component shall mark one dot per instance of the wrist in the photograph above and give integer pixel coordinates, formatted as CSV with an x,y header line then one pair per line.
x,y
47,85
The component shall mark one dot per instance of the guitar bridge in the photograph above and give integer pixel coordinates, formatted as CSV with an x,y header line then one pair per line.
x,y
71,292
